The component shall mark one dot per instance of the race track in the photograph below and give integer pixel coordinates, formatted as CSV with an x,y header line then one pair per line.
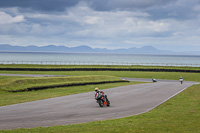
x,y
79,108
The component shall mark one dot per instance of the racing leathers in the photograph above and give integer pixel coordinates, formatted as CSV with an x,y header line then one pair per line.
x,y
99,94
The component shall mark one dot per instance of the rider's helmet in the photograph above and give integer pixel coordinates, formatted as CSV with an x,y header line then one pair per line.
x,y
96,89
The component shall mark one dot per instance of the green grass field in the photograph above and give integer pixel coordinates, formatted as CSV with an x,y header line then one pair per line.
x,y
130,74
26,84
94,66
181,114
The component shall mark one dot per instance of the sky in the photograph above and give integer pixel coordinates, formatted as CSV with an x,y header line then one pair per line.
x,y
164,24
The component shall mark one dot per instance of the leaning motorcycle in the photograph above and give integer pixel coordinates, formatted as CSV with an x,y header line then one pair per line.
x,y
102,100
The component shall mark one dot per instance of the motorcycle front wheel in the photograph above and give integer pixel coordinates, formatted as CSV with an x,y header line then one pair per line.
x,y
100,103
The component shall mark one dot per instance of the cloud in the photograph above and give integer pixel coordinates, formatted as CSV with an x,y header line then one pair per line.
x,y
106,5
83,24
100,5
8,19
100,23
116,24
39,5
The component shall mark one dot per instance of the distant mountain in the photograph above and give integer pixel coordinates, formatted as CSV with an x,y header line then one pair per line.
x,y
49,48
87,49
144,50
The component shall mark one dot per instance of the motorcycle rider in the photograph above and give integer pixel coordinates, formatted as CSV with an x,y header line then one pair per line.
x,y
181,79
98,92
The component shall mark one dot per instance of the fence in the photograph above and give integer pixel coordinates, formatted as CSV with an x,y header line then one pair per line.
x,y
95,63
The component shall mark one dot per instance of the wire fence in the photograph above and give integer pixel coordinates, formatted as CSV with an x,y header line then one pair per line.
x,y
95,63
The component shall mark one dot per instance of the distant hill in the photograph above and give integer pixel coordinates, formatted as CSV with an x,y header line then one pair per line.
x,y
49,48
87,49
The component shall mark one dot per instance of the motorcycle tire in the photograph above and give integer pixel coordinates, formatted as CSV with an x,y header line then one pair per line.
x,y
108,103
100,103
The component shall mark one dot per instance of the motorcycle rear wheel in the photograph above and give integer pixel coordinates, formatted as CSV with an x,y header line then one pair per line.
x,y
108,103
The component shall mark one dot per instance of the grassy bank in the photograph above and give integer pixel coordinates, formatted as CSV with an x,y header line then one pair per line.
x,y
29,84
93,66
23,67
129,74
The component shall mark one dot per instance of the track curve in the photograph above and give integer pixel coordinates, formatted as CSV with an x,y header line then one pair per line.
x,y
80,108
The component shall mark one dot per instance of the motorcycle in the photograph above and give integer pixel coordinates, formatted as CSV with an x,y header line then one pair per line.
x,y
181,80
102,100
154,80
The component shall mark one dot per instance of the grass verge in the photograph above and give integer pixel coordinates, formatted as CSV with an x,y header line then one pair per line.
x,y
128,74
29,84
30,67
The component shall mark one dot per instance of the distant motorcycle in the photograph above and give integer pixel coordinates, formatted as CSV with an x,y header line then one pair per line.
x,y
154,80
181,80
102,100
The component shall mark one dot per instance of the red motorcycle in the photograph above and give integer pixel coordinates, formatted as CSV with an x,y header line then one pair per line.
x,y
102,100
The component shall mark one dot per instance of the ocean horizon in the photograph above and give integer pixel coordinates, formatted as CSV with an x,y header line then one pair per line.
x,y
61,58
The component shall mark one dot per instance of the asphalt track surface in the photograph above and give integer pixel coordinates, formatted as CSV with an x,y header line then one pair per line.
x,y
81,108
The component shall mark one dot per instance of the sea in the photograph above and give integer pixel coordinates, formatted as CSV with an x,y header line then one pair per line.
x,y
53,58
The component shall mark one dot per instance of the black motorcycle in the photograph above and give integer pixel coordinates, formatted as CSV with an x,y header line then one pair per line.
x,y
102,100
